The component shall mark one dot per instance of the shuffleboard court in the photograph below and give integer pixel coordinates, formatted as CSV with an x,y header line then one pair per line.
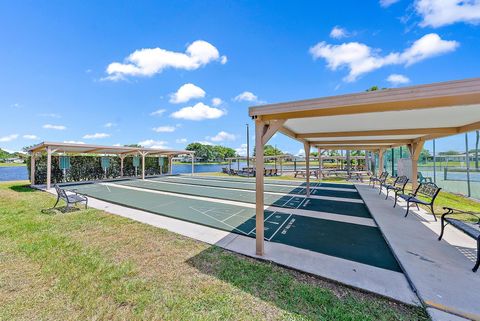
x,y
284,189
246,196
276,181
355,242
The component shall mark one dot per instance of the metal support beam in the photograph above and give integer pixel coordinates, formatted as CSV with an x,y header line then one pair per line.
x,y
260,128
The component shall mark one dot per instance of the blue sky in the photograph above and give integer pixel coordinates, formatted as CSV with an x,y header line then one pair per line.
x,y
97,71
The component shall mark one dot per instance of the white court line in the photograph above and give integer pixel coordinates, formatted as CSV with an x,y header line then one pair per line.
x,y
329,198
280,185
264,220
271,237
214,218
233,215
314,214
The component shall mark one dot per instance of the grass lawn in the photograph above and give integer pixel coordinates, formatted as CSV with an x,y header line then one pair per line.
x,y
87,264
11,165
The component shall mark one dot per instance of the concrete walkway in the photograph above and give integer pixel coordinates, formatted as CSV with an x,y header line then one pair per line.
x,y
440,271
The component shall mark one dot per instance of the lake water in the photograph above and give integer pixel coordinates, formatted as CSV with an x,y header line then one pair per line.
x,y
21,173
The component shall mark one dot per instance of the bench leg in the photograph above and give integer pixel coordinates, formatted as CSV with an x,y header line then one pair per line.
x,y
475,268
396,199
408,208
380,191
443,228
58,199
386,197
433,213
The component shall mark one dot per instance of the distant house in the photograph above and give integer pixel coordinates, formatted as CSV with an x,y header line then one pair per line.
x,y
16,160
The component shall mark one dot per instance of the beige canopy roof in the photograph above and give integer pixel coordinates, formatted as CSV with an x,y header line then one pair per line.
x,y
384,118
99,149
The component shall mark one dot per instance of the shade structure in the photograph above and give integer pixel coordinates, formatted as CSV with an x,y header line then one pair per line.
x,y
84,149
374,121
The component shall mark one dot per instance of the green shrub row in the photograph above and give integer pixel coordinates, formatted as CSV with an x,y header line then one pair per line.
x,y
89,168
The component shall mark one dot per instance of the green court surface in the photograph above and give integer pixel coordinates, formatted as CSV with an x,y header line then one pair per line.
x,y
243,185
272,181
355,242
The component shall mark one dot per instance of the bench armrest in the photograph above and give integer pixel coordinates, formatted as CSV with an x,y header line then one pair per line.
x,y
454,211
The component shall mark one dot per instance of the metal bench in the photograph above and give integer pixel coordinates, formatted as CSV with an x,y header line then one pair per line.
x,y
381,179
472,229
425,190
398,186
72,198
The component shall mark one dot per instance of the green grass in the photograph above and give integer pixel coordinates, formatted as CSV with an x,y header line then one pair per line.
x,y
11,165
87,264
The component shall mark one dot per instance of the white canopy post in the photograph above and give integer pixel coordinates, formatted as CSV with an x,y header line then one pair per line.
x,y
380,161
49,167
259,180
306,147
143,164
32,168
193,163
170,164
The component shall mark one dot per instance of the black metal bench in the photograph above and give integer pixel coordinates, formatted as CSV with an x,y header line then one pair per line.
x,y
72,198
398,186
425,190
381,179
472,229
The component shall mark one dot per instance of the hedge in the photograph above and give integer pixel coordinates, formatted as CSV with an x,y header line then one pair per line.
x,y
89,168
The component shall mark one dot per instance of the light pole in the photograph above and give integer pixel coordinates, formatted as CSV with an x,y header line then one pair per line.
x,y
248,148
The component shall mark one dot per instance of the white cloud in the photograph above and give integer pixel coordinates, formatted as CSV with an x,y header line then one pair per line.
x,y
199,111
151,143
222,136
204,142
8,138
187,92
110,125
73,142
150,61
387,3
30,136
339,32
56,127
51,115
96,136
242,150
246,96
223,60
164,129
397,79
181,141
446,12
216,102
301,152
361,59
158,112
16,105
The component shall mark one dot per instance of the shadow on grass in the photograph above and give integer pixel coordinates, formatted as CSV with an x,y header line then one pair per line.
x,y
59,210
299,293
22,188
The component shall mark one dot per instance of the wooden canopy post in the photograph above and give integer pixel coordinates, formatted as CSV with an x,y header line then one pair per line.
x,y
143,163
49,167
170,165
415,150
32,168
306,147
380,161
263,132
281,165
320,163
122,157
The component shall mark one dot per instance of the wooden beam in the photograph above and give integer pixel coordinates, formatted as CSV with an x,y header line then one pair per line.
x,y
415,150
352,147
383,132
380,161
468,128
363,142
271,129
259,181
307,147
93,150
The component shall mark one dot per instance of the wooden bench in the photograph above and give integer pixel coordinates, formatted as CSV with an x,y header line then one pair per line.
x,y
303,173
398,186
72,198
425,190
472,229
